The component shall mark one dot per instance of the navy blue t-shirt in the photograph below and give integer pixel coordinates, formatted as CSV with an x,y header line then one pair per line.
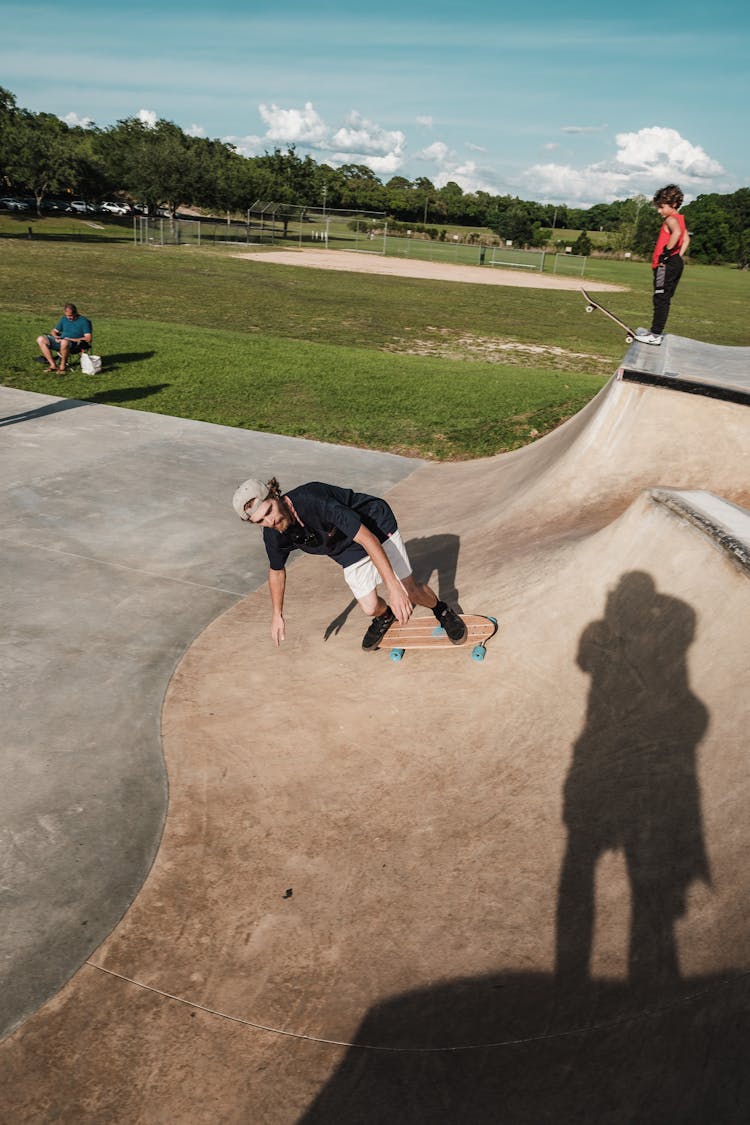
x,y
332,516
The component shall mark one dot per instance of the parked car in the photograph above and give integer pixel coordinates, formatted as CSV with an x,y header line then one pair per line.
x,y
114,208
10,204
80,207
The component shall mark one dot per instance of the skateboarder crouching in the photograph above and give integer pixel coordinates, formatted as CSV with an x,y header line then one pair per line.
x,y
357,531
667,259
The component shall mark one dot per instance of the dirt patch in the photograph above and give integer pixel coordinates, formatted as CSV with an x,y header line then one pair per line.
x,y
352,261
446,344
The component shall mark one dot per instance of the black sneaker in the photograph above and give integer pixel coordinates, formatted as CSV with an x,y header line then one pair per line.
x,y
455,628
378,629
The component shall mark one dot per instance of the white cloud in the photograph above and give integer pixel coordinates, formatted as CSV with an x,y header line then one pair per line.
x,y
147,117
426,121
583,186
196,131
643,161
583,128
247,146
473,147
363,136
450,168
657,146
73,120
294,126
436,153
380,165
357,141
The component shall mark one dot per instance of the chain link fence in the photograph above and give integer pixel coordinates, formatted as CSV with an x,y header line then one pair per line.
x,y
273,224
161,231
331,228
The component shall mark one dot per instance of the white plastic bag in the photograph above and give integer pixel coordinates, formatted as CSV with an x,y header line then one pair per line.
x,y
90,364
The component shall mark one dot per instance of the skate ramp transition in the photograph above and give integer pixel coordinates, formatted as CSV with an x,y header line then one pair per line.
x,y
442,891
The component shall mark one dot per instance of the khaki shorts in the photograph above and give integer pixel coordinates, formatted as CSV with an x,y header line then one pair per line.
x,y
362,577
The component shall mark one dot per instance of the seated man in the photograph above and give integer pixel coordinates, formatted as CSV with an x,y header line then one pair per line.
x,y
71,334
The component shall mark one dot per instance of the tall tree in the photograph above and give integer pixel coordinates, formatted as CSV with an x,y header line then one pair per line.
x,y
362,191
155,164
8,111
40,154
712,239
402,199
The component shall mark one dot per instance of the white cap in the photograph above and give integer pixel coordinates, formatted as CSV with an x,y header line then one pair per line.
x,y
249,490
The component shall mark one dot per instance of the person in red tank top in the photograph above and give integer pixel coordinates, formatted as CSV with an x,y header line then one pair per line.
x,y
667,259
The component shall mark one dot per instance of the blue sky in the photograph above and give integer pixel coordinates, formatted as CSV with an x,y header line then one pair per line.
x,y
578,104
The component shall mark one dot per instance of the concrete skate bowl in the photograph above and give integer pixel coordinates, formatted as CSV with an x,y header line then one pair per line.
x,y
442,891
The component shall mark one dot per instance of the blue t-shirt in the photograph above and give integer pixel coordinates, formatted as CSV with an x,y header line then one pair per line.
x,y
73,329
331,516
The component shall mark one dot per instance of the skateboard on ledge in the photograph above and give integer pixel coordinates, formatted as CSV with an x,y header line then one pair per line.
x,y
591,304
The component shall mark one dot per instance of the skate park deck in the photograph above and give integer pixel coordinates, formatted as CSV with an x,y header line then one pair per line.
x,y
692,366
319,887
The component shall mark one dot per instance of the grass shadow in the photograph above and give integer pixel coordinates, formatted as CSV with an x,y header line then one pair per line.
x,y
119,358
127,394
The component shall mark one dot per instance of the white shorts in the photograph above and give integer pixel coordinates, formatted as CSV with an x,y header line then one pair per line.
x,y
362,577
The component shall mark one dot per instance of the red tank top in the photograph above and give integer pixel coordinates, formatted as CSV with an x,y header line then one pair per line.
x,y
663,239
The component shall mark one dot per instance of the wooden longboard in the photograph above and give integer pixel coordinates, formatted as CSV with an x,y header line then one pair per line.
x,y
424,632
591,304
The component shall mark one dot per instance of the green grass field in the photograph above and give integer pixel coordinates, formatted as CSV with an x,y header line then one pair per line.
x,y
411,366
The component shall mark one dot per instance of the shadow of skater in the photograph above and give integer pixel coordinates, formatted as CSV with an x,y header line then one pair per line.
x,y
437,554
632,784
430,554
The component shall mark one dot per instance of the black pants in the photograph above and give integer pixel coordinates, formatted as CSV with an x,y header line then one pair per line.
x,y
666,276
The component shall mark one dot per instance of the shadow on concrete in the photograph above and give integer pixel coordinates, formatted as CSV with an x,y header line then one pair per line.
x,y
42,411
533,1048
121,394
633,783
436,557
546,1055
430,555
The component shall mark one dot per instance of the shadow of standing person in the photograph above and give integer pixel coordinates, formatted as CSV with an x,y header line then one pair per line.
x,y
633,785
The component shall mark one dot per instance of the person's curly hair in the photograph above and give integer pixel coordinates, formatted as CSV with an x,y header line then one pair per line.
x,y
671,194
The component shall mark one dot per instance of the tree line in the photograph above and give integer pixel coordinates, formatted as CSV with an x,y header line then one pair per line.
x,y
161,166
